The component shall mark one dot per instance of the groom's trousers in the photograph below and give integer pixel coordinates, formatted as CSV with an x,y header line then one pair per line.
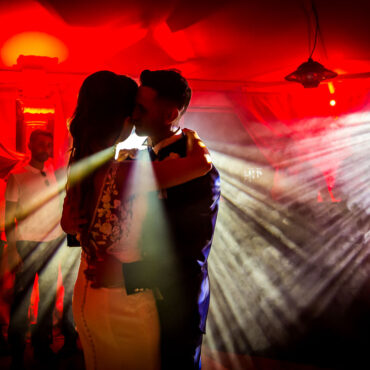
x,y
181,340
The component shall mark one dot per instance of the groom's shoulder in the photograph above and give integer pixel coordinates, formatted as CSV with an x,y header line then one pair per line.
x,y
178,147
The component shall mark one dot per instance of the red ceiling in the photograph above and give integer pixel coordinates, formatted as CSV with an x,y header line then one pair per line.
x,y
211,39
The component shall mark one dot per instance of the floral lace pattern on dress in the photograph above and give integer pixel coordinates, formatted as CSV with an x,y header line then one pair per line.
x,y
113,218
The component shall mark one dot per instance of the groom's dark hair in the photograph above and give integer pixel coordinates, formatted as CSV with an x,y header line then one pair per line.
x,y
170,85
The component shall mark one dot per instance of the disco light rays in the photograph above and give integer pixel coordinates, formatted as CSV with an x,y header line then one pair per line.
x,y
281,261
155,232
43,258
81,169
77,172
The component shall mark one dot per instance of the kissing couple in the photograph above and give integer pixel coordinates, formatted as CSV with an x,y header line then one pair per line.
x,y
145,222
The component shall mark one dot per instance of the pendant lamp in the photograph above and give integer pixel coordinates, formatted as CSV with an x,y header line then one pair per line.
x,y
311,73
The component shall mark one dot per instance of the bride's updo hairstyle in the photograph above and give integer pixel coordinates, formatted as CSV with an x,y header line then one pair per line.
x,y
104,101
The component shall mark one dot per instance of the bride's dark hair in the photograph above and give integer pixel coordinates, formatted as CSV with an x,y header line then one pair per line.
x,y
105,100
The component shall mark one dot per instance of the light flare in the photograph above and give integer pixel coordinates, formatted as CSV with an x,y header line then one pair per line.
x,y
278,263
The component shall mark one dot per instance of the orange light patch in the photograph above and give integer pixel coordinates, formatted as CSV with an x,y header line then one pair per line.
x,y
331,88
39,110
33,43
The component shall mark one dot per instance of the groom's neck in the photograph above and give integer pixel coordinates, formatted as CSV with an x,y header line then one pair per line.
x,y
155,139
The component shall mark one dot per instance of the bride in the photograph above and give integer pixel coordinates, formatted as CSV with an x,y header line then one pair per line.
x,y
104,207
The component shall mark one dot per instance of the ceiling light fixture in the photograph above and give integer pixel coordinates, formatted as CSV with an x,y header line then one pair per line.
x,y
311,73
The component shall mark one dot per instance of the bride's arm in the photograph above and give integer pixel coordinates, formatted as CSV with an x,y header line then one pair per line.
x,y
175,171
172,171
70,215
72,221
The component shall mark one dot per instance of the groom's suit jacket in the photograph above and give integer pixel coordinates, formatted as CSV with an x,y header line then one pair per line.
x,y
176,241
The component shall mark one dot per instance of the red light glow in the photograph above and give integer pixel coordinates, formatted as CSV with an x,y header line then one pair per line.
x,y
33,43
333,102
175,44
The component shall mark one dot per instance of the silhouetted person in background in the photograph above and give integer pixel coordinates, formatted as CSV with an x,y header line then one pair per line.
x,y
33,235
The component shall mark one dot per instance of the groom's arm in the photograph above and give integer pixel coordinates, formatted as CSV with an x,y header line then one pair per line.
x,y
136,276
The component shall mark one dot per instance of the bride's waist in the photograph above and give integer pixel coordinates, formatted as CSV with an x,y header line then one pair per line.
x,y
104,271
123,251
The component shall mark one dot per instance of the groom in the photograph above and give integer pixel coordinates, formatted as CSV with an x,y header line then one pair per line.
x,y
179,227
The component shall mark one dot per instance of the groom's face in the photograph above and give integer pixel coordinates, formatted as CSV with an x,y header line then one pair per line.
x,y
149,113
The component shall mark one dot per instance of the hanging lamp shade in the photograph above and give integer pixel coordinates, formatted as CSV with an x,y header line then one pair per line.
x,y
310,74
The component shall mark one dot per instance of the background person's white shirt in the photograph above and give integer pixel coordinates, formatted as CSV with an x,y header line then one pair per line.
x,y
37,198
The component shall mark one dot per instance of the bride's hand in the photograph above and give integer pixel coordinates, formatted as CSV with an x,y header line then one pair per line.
x,y
195,145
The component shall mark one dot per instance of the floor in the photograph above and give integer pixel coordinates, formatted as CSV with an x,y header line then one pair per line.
x,y
210,361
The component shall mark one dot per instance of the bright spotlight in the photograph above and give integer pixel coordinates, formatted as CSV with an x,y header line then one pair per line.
x,y
132,142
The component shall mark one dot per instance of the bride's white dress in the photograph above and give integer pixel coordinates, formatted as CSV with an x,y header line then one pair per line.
x,y
117,331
